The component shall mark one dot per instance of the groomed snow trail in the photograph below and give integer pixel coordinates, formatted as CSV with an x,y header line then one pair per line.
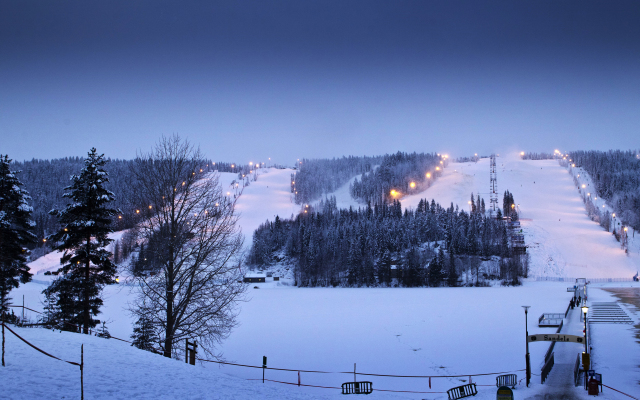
x,y
562,240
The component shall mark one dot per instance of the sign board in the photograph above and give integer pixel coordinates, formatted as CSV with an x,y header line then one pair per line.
x,y
570,289
557,337
504,393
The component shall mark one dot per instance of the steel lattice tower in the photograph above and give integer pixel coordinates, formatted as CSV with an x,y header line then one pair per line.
x,y
493,186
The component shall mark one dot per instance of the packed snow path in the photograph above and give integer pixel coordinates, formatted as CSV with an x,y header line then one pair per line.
x,y
562,241
560,383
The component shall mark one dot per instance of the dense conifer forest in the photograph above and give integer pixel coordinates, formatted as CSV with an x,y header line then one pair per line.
x,y
317,177
398,174
616,175
370,246
45,181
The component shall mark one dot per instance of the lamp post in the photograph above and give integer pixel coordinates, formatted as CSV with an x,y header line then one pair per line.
x,y
585,309
526,327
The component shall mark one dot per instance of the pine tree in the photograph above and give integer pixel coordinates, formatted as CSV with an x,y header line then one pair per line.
x,y
86,222
144,334
435,269
452,274
15,232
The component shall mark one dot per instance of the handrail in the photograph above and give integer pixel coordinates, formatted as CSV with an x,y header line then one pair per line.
x,y
547,368
576,370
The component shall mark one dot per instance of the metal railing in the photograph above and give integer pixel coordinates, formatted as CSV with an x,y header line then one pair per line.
x,y
576,370
547,368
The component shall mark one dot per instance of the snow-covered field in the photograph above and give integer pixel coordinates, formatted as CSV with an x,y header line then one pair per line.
x,y
422,331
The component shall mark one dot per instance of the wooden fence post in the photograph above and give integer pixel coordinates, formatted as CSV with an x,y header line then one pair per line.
x,y
2,338
82,372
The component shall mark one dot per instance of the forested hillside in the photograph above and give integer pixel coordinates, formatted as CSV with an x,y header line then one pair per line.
x,y
616,175
45,181
317,177
332,247
398,174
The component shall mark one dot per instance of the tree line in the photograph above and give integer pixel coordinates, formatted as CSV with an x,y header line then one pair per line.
x,y
369,246
398,174
616,176
317,177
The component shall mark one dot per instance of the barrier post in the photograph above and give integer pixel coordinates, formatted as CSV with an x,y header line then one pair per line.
x,y
82,372
2,337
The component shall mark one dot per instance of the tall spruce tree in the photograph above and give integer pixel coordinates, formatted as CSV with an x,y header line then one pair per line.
x,y
15,232
85,224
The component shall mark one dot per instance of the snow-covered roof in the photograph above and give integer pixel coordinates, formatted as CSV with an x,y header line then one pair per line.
x,y
255,275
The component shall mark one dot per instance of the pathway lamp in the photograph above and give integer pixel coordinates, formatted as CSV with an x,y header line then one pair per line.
x,y
526,327
585,309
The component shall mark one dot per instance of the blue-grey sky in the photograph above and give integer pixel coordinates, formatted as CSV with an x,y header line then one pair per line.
x,y
248,80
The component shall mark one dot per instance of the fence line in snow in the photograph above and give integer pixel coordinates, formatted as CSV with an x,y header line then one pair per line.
x,y
589,280
81,364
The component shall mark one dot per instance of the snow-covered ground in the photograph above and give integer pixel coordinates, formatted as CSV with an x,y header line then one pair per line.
x,y
421,331
562,240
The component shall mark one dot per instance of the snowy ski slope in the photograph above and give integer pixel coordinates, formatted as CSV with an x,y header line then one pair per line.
x,y
562,240
422,331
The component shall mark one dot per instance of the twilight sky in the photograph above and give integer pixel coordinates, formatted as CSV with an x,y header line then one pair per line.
x,y
248,80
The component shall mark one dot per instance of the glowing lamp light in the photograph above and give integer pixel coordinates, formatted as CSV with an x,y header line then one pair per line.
x,y
584,186
437,168
585,309
119,216
228,193
522,153
44,240
412,184
150,207
394,193
625,228
118,279
428,175
573,165
137,211
613,215
513,206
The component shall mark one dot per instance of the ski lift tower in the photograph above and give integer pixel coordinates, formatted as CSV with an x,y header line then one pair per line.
x,y
493,186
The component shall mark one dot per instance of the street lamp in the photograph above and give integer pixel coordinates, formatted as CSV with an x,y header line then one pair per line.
x,y
526,327
585,309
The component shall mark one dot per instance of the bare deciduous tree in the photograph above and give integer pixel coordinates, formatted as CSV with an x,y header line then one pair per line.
x,y
193,282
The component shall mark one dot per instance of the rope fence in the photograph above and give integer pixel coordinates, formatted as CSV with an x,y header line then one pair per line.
x,y
616,390
359,373
40,350
80,364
